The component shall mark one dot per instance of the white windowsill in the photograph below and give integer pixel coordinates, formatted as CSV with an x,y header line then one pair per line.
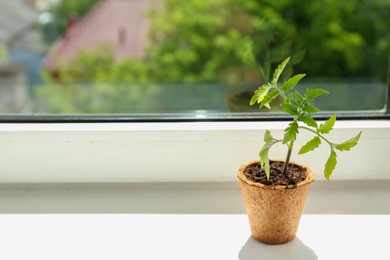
x,y
183,126
206,220
187,237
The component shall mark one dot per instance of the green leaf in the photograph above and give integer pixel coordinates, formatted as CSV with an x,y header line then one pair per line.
x,y
298,96
264,160
296,102
268,98
326,127
311,145
347,145
260,94
330,164
254,99
265,149
290,97
308,120
309,108
266,167
290,133
279,71
268,137
313,93
289,108
291,82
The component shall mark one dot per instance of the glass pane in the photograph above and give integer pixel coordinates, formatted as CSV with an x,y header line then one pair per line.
x,y
190,57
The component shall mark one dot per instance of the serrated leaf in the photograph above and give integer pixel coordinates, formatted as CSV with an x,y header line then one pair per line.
x,y
299,96
279,70
296,102
268,98
326,127
265,105
254,99
330,164
309,108
290,133
313,93
260,94
347,145
289,108
308,120
289,97
291,82
267,136
311,145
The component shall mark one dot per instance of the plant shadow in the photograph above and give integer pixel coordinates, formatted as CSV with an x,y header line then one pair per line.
x,y
295,249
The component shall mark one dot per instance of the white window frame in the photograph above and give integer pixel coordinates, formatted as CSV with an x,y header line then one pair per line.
x,y
173,152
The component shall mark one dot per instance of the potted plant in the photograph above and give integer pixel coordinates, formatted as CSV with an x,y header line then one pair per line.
x,y
275,191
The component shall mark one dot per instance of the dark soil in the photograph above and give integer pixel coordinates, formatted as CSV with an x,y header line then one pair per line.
x,y
294,175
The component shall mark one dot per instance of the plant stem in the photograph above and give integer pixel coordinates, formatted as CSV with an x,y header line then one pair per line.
x,y
318,134
280,92
289,151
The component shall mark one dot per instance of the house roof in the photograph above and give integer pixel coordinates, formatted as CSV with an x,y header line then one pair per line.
x,y
121,24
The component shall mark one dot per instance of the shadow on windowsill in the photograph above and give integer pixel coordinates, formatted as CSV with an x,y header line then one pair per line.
x,y
295,249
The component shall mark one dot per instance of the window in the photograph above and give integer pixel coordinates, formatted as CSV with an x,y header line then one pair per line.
x,y
140,60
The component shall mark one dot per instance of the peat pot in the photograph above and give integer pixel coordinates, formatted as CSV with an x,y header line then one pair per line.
x,y
274,211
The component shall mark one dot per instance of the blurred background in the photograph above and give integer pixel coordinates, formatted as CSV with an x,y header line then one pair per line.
x,y
171,56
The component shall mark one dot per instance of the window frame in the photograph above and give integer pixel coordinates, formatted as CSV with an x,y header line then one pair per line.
x,y
173,152
188,117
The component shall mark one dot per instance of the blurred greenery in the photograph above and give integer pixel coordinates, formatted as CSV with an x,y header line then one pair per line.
x,y
3,52
94,83
233,44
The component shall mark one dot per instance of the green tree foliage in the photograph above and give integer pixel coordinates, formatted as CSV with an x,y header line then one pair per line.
x,y
349,38
237,42
218,40
200,39
95,83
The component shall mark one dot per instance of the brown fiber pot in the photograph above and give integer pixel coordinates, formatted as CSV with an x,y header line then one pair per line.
x,y
274,212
